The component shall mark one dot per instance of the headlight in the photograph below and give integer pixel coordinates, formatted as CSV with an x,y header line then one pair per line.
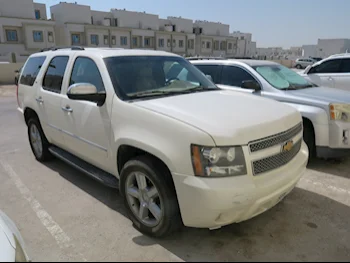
x,y
218,161
339,112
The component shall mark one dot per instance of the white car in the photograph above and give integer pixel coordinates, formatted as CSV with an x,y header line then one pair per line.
x,y
180,149
332,72
301,63
325,111
12,248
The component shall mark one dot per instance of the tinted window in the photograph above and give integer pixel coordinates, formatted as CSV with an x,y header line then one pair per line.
x,y
234,76
345,67
86,71
212,70
31,70
55,73
330,66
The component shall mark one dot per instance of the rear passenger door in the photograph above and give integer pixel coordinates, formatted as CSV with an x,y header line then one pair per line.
x,y
88,126
49,99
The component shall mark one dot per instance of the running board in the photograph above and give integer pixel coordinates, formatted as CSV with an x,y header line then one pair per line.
x,y
95,173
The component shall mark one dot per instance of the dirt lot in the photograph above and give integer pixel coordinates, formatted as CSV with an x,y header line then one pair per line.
x,y
63,215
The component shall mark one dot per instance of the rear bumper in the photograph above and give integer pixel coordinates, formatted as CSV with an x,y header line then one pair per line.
x,y
215,202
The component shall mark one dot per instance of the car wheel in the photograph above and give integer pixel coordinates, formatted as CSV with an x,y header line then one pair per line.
x,y
149,197
38,141
309,138
298,66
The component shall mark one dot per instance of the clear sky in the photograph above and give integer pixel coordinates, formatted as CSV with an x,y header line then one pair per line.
x,y
272,22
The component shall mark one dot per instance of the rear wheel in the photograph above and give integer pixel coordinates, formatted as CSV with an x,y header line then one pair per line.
x,y
38,141
298,66
149,197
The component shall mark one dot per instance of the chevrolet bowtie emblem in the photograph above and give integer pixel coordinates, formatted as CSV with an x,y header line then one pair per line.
x,y
287,146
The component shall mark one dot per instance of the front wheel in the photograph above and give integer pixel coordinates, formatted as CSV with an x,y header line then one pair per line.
x,y
298,66
149,197
309,138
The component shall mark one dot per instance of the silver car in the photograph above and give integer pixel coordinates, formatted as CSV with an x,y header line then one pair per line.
x,y
302,63
325,111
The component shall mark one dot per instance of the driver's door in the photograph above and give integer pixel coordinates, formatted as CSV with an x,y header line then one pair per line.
x,y
89,126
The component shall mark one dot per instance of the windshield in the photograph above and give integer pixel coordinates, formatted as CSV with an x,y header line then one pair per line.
x,y
283,78
150,76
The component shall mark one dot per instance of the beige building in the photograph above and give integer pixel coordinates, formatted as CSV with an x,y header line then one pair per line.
x,y
24,29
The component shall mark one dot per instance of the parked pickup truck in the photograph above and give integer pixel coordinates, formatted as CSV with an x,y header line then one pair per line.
x,y
325,111
180,149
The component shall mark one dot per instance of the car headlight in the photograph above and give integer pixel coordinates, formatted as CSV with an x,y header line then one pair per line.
x,y
339,112
20,255
218,161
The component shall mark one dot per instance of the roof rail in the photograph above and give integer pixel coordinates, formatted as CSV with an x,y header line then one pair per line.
x,y
64,47
205,58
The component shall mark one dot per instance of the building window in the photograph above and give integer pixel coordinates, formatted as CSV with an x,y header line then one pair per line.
x,y
38,36
216,45
161,42
92,20
190,44
124,41
11,35
50,36
242,38
116,22
229,45
134,42
75,39
113,40
37,14
223,45
94,40
181,43
208,44
168,43
106,40
174,43
203,44
148,42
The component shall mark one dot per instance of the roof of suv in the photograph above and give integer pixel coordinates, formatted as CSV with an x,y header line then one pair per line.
x,y
108,52
249,62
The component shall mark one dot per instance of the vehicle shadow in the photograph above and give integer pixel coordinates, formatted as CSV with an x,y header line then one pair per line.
x,y
108,196
335,167
298,229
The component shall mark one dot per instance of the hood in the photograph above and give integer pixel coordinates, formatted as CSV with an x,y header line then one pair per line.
x,y
229,117
323,94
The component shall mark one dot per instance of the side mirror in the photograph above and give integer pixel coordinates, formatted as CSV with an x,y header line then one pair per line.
x,y
87,92
251,84
210,78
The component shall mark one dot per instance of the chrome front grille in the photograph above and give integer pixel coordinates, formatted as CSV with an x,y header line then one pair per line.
x,y
273,140
275,161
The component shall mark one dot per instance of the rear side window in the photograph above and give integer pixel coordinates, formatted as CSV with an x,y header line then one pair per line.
x,y
330,66
345,67
212,70
54,75
31,70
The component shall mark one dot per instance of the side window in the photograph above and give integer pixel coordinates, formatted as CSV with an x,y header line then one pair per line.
x,y
212,70
330,66
31,70
85,70
234,76
345,66
54,75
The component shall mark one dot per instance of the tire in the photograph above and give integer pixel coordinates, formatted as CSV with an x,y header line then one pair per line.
x,y
298,66
168,211
44,154
309,138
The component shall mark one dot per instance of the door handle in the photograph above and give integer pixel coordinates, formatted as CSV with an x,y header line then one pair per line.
x,y
39,100
330,78
67,109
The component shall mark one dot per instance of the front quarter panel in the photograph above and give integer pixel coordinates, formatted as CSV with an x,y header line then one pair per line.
x,y
167,138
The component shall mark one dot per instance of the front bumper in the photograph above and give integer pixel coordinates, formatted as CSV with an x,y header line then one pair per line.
x,y
339,141
215,202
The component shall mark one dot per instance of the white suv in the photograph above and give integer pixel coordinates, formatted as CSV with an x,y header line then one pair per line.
x,y
180,149
332,72
301,63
